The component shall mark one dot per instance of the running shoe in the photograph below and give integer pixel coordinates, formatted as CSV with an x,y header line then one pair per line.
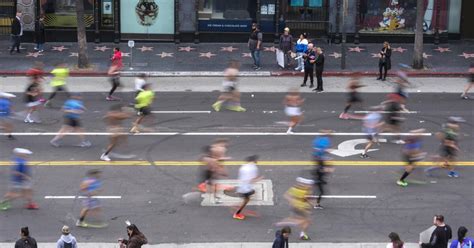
x,y
453,174
85,143
258,68
134,129
236,108
464,97
238,216
112,98
344,116
32,206
402,183
104,157
304,236
81,223
364,155
318,206
398,142
28,120
302,70
54,143
202,187
5,205
217,106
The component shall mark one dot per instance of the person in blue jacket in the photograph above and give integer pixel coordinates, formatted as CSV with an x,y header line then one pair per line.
x,y
462,241
300,49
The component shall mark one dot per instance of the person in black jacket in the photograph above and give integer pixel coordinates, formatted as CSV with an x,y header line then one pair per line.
x,y
281,238
39,34
440,236
16,32
319,69
25,240
309,59
384,61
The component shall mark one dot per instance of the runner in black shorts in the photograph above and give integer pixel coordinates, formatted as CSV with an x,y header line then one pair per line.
x,y
393,119
248,175
411,153
353,95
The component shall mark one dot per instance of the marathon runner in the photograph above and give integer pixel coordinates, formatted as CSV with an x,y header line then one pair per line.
x,y
144,100
58,82
248,175
393,119
114,73
33,99
91,187
230,95
371,125
293,102
353,95
114,119
411,153
470,84
321,145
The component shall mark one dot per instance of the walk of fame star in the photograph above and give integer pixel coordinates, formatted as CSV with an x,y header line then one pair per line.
x,y
59,48
164,54
356,49
269,49
245,55
335,55
228,49
36,54
186,49
399,49
101,48
467,55
207,55
144,48
443,49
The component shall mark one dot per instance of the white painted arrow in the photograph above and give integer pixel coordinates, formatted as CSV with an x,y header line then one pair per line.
x,y
347,148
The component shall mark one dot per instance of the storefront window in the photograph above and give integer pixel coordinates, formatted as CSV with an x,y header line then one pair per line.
x,y
62,13
147,16
399,16
307,10
227,16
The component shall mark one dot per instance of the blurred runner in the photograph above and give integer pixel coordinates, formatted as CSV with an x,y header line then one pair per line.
x,y
33,96
321,145
230,96
449,147
293,103
140,80
248,175
297,196
91,187
5,114
412,154
144,100
353,95
371,125
114,120
58,82
21,182
393,119
470,84
114,73
73,108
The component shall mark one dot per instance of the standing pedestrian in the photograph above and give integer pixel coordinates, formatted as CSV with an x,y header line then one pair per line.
x,y
281,238
25,240
286,45
321,145
385,62
319,69
248,175
470,84
395,241
66,240
40,36
58,82
136,239
144,100
441,234
5,113
255,45
462,241
21,181
114,73
309,59
300,48
16,32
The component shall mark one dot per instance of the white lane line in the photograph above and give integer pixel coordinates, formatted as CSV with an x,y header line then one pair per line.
x,y
81,197
345,196
181,112
385,112
217,134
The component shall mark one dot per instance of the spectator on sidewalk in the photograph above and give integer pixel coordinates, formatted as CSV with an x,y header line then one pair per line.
x,y
319,69
39,34
462,241
309,59
66,240
286,45
25,240
441,234
301,47
255,45
385,62
16,32
135,238
281,238
395,241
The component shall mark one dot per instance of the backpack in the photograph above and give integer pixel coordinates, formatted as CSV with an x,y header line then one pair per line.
x,y
67,245
467,244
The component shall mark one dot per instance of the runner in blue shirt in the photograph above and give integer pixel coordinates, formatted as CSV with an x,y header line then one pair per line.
x,y
412,154
321,145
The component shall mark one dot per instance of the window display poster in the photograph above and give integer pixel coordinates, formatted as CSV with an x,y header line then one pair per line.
x,y
107,7
315,3
147,16
297,3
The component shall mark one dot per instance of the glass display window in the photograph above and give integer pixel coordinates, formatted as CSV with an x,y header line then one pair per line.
x,y
307,10
227,10
62,13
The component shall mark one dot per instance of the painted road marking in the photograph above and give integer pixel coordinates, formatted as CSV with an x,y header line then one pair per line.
x,y
385,112
217,134
81,197
181,112
345,196
231,163
263,194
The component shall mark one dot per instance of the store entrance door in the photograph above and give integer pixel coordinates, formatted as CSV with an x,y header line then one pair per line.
x,y
467,19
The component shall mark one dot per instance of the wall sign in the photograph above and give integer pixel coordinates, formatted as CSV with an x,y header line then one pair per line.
x,y
147,16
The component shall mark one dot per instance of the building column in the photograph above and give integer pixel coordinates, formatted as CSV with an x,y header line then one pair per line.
x,y
436,34
277,20
358,24
116,21
176,22
337,39
96,21
196,24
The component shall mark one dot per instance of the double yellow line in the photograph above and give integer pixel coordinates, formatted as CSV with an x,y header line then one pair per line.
x,y
230,163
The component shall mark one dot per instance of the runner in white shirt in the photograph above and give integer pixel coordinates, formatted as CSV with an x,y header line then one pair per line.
x,y
248,174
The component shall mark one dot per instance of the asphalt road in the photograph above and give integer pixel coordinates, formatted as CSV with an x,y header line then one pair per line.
x,y
151,195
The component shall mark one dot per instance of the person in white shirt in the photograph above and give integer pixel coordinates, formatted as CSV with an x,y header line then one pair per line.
x,y
139,82
248,174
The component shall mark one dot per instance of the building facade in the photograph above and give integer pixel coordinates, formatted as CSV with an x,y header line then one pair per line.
x,y
230,20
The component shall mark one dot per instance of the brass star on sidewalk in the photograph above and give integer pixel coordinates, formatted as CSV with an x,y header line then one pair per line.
x,y
269,49
426,56
399,49
164,54
74,55
144,48
101,48
59,48
335,55
443,49
356,49
375,55
186,49
207,55
467,55
36,54
245,55
228,49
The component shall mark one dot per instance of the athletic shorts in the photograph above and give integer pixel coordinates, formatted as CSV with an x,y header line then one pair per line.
x,y
91,203
447,152
145,111
22,185
72,122
370,136
292,111
354,97
229,89
247,195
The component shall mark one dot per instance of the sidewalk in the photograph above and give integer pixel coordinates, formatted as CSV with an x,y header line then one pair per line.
x,y
169,59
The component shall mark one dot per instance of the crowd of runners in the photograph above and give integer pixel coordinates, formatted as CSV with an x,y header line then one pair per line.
x,y
384,117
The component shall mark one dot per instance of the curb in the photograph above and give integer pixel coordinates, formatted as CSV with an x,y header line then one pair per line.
x,y
242,74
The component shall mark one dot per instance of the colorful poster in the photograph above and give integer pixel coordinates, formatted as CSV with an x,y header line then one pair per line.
x,y
147,16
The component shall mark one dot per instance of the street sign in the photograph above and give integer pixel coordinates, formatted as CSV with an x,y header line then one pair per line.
x,y
347,148
131,43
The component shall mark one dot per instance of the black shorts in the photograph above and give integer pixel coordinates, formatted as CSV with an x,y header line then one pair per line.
x,y
354,97
115,81
447,152
409,159
145,111
247,195
370,137
72,122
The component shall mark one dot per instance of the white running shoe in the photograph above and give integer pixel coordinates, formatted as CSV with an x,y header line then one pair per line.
x,y
104,157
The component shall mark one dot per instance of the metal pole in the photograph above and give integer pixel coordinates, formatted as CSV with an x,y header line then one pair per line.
x,y
343,44
131,58
436,34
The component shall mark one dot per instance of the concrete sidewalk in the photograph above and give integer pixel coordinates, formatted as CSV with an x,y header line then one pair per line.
x,y
228,245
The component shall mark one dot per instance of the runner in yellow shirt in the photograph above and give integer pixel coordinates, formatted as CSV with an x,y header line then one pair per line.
x,y
58,82
144,100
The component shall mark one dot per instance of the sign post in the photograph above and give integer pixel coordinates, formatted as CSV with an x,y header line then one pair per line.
x,y
131,44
